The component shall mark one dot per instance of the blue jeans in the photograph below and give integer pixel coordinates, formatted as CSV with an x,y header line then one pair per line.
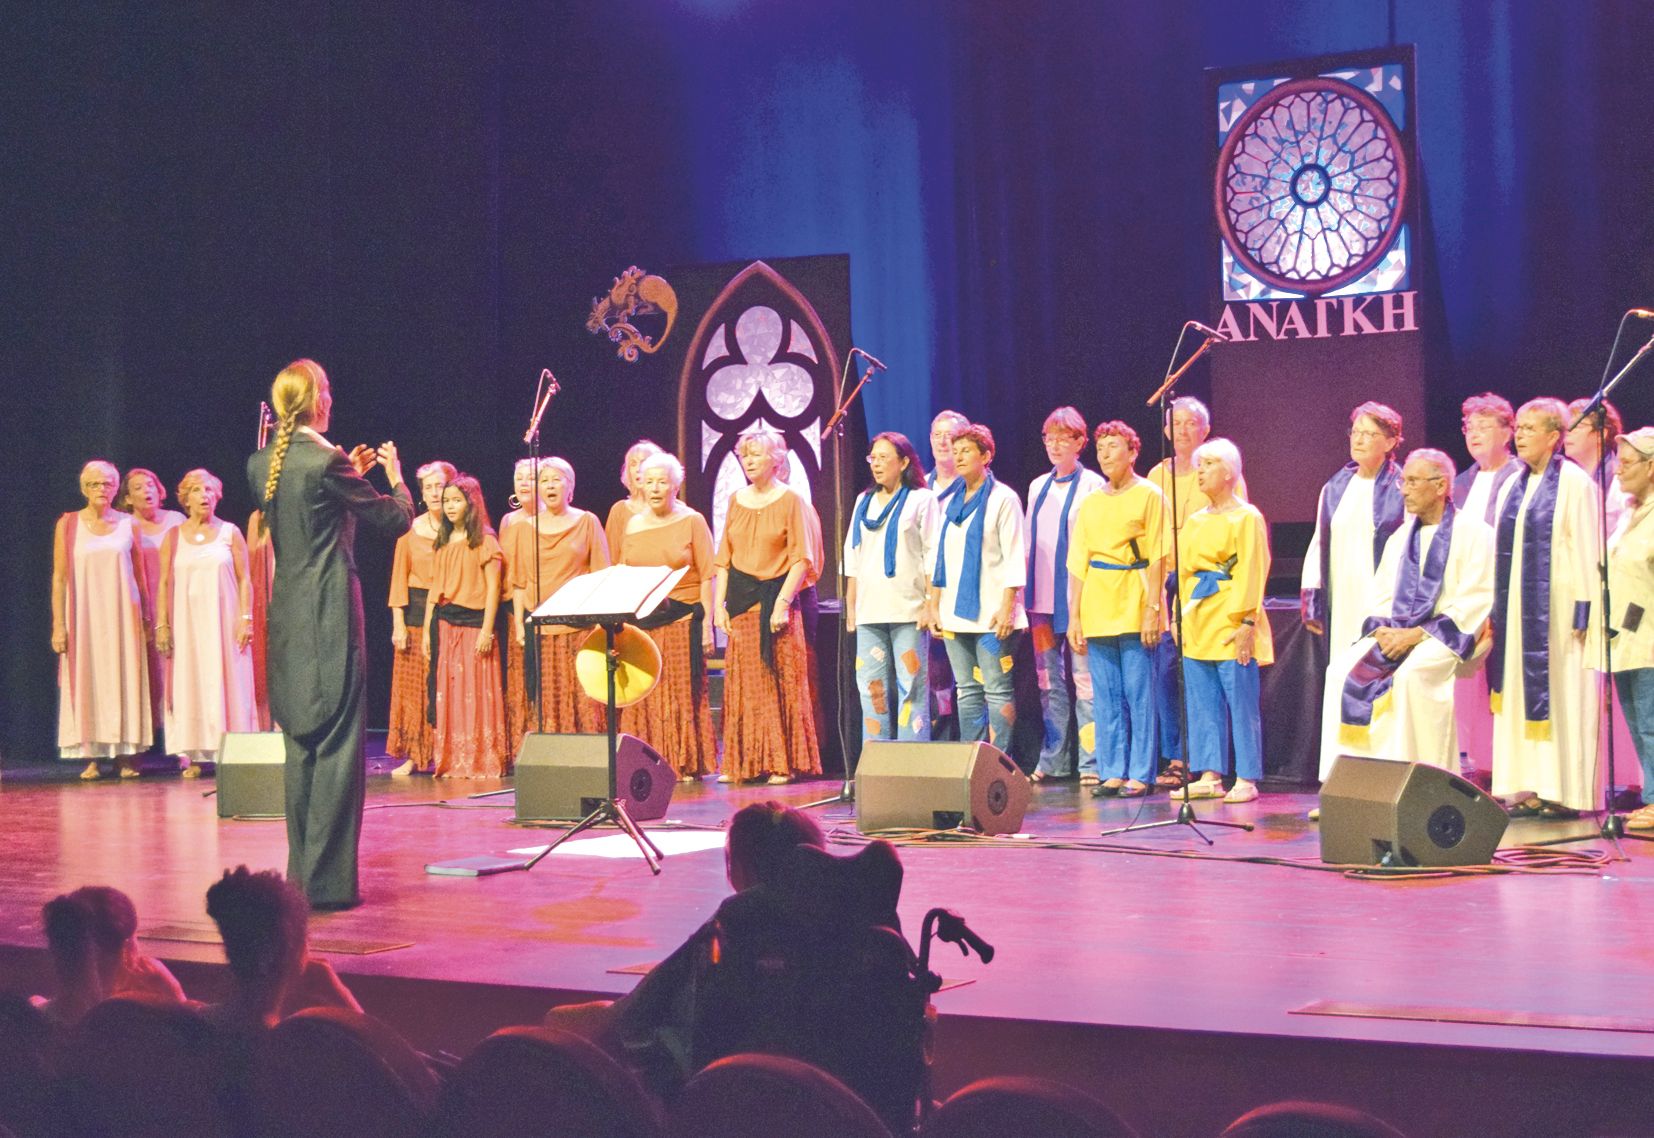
x,y
1053,664
1122,679
1167,719
893,660
1636,689
982,677
1223,704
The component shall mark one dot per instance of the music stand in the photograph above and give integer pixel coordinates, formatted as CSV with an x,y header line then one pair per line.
x,y
609,599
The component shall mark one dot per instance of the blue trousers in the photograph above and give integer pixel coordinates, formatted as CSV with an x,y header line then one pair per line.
x,y
892,675
1167,720
1122,685
982,677
1636,689
1053,664
1223,705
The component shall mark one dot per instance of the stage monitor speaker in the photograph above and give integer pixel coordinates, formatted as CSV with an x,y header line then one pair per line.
x,y
250,775
1378,811
939,786
564,777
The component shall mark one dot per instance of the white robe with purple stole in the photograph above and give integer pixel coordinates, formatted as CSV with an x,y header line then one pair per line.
x,y
1544,692
1438,578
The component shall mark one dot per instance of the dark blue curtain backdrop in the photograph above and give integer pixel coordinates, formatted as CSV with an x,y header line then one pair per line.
x,y
425,196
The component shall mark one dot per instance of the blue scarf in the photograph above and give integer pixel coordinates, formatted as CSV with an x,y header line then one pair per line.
x,y
1536,597
892,514
1418,591
1388,511
1059,570
967,602
954,487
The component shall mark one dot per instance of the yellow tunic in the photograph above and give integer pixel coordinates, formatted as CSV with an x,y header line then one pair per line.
x,y
1210,539
1105,526
1190,500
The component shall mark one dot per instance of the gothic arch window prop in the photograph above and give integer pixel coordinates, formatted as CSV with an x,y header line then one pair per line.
x,y
761,357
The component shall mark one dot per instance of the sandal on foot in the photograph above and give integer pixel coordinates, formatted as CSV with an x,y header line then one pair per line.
x,y
1132,789
1525,808
91,773
1174,776
1640,819
1202,788
1089,779
1038,776
1556,812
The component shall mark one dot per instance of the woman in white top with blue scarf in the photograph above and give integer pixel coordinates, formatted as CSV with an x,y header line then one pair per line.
x,y
976,589
887,560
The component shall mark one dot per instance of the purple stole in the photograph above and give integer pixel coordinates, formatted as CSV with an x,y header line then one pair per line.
x,y
1536,597
1388,511
1467,478
1418,591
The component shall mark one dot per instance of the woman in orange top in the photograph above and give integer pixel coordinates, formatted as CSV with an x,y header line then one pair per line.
x,y
675,719
412,568
525,504
769,696
571,543
623,511
463,685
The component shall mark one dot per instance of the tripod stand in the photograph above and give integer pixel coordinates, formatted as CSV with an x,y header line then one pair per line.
x,y
611,809
1613,823
1165,396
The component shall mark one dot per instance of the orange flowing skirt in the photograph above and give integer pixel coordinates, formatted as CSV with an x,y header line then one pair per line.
x,y
409,736
675,719
769,713
469,739
567,710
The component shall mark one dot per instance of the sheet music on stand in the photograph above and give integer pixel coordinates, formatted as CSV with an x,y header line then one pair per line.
x,y
609,596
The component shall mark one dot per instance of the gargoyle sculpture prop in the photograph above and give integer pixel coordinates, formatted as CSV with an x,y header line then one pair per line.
x,y
634,294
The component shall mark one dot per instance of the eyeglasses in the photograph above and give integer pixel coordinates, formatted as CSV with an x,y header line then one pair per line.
x,y
1533,429
1407,482
1363,434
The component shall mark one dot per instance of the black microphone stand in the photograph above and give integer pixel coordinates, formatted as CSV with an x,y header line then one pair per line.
x,y
1165,395
544,392
835,427
1613,823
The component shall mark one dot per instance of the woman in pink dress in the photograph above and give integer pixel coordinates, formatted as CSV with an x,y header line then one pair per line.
x,y
100,632
204,626
142,496
465,708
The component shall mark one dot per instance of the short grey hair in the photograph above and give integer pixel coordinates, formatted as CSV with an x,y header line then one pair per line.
x,y
1194,407
1444,465
663,460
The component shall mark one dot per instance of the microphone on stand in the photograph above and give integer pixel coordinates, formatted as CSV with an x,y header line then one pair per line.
x,y
1210,333
542,399
872,359
1639,313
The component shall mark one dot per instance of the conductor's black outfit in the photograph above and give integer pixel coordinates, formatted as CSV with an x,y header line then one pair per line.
x,y
318,652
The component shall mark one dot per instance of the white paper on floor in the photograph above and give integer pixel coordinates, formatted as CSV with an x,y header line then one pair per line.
x,y
669,842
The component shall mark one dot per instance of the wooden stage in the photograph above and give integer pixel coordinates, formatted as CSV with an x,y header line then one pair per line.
x,y
1165,985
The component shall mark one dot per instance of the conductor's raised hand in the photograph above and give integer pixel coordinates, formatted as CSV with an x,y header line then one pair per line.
x,y
362,457
391,461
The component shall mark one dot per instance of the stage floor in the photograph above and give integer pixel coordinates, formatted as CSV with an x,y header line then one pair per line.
x,y
1142,949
